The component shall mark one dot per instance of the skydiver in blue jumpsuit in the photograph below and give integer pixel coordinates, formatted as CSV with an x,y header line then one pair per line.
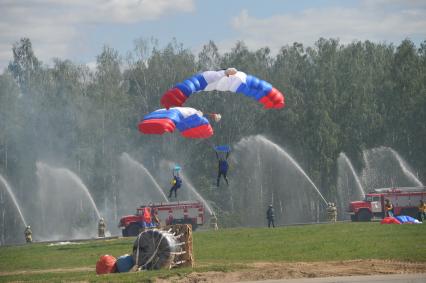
x,y
222,168
176,183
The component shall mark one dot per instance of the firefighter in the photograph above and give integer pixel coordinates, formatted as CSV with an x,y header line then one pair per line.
x,y
155,220
101,228
147,219
28,234
388,208
270,216
331,212
176,182
421,214
222,168
213,222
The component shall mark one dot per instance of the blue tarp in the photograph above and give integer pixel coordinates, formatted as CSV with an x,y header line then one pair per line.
x,y
124,263
407,219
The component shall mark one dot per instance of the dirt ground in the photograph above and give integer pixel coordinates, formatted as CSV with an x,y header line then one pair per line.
x,y
285,270
282,270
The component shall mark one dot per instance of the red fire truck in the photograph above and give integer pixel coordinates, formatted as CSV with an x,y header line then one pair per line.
x,y
405,201
181,212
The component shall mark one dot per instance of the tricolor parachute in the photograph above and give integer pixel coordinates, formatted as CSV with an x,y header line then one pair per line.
x,y
224,80
189,121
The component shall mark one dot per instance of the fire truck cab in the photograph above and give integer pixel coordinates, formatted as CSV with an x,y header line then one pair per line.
x,y
181,212
405,201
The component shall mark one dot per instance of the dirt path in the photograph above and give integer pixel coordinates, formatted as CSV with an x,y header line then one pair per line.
x,y
279,270
285,270
53,270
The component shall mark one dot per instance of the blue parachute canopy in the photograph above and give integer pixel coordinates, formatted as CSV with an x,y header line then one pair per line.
x,y
407,219
222,148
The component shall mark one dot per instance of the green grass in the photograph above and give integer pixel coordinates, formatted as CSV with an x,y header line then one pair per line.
x,y
226,250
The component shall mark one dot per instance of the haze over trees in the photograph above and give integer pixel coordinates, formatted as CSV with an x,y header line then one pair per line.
x,y
338,98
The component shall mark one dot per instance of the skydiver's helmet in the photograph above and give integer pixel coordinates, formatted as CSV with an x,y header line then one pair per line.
x,y
28,227
216,117
231,71
270,205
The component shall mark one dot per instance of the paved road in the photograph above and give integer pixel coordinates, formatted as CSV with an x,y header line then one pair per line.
x,y
395,278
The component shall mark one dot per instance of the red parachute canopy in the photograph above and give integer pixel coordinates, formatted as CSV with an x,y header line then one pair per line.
x,y
106,264
390,220
190,122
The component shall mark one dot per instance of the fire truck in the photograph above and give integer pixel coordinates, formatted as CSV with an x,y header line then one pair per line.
x,y
405,201
181,212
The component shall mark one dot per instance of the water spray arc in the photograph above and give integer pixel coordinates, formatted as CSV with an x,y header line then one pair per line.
x,y
354,174
296,165
129,161
12,196
405,168
385,168
66,207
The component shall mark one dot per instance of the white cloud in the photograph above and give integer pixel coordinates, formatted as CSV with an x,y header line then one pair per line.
x,y
56,27
375,20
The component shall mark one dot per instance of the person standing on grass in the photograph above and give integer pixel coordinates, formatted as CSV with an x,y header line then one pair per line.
x,y
421,215
101,228
388,208
331,212
28,234
270,216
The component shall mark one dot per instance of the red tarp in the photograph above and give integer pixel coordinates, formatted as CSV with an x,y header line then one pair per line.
x,y
106,264
390,220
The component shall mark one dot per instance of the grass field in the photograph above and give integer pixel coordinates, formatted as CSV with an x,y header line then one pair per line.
x,y
223,250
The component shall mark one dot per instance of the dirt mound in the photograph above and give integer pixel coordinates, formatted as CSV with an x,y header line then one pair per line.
x,y
286,270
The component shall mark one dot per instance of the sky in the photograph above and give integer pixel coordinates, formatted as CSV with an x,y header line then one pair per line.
x,y
78,29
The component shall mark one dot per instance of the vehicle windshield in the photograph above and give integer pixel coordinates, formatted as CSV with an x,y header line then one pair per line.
x,y
372,198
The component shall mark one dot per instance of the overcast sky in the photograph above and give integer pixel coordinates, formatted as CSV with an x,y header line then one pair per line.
x,y
77,29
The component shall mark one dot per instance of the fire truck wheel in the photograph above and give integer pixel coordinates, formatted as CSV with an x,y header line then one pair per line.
x,y
132,230
364,215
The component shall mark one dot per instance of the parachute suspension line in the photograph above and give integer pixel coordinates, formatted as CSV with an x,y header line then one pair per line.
x,y
136,81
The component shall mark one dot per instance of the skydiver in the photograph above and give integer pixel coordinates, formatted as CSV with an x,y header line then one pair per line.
x,y
176,182
222,168
230,72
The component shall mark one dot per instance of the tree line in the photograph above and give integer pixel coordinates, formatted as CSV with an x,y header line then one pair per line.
x,y
339,98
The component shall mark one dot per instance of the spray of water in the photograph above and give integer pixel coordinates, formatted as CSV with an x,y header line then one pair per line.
x,y
282,152
384,168
125,158
12,196
357,181
194,191
71,176
405,168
